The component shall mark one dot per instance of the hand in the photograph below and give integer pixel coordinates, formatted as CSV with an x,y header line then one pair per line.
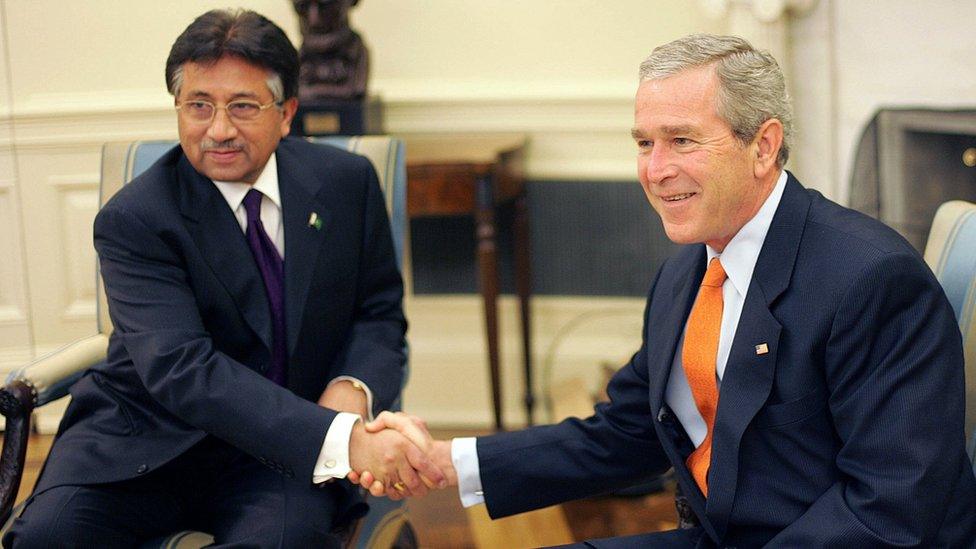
x,y
342,396
397,463
415,429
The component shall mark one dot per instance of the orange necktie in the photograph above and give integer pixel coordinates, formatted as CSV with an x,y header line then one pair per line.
x,y
698,359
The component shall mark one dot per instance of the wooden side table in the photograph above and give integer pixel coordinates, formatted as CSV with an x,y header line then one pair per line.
x,y
472,174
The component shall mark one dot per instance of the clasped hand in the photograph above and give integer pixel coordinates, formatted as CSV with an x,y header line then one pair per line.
x,y
395,456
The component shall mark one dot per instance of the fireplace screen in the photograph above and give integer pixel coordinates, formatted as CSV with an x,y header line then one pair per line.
x,y
909,161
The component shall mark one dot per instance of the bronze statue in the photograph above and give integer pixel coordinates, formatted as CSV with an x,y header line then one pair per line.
x,y
334,59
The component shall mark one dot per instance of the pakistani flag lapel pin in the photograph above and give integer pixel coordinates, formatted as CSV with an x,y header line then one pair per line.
x,y
314,221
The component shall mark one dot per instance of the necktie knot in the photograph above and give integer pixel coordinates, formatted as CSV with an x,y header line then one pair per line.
x,y
252,205
715,275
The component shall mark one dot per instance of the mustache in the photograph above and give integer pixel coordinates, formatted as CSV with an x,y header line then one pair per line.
x,y
221,146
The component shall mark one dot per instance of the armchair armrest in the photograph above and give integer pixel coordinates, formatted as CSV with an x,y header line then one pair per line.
x,y
43,380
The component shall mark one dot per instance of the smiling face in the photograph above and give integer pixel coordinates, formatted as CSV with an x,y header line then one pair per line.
x,y
224,149
703,182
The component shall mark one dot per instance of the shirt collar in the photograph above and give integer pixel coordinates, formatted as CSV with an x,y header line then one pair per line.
x,y
741,253
267,183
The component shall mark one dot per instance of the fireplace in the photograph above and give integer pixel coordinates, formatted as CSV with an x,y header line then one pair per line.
x,y
909,161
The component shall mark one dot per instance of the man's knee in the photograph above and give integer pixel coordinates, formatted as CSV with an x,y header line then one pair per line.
x,y
48,520
304,536
28,530
276,514
80,516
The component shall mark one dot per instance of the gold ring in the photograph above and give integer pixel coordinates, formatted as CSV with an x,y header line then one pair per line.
x,y
399,486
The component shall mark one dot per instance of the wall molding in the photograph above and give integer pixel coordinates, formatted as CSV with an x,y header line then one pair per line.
x,y
572,134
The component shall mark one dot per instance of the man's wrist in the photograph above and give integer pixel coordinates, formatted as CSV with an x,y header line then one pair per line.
x,y
334,461
464,458
353,386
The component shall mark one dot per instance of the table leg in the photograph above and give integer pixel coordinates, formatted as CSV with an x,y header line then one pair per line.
x,y
488,283
523,283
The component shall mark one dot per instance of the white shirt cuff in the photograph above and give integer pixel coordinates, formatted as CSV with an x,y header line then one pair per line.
x,y
333,461
364,387
464,456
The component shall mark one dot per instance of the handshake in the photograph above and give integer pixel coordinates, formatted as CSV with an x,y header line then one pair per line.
x,y
394,455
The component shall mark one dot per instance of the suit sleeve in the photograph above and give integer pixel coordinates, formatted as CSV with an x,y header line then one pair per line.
x,y
615,447
156,319
894,368
375,348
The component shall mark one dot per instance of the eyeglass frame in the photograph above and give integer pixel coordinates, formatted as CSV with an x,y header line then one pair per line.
x,y
225,107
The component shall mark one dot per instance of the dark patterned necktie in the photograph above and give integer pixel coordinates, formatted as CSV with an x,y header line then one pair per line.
x,y
272,271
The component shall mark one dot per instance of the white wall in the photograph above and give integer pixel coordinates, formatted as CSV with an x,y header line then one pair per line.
x,y
102,54
14,326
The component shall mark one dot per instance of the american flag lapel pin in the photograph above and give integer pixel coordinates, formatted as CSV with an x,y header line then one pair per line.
x,y
315,221
762,349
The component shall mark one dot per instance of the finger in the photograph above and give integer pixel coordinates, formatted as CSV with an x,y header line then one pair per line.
x,y
353,477
377,489
392,420
383,420
427,482
419,422
398,490
415,433
410,480
375,426
424,467
367,479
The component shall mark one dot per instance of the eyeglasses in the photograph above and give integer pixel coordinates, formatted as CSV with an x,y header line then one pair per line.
x,y
241,110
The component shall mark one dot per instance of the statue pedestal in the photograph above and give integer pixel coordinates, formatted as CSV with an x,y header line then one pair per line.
x,y
339,117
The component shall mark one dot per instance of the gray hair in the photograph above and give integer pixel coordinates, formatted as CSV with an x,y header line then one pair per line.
x,y
274,83
752,89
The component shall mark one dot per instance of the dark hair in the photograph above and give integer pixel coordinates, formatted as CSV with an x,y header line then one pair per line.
x,y
241,33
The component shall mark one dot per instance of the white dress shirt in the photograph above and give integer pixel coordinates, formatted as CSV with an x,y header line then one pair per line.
x,y
738,259
333,460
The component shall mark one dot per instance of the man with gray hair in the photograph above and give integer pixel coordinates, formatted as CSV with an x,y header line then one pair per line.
x,y
801,369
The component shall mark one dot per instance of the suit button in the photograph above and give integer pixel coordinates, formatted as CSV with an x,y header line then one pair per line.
x,y
142,469
289,473
663,414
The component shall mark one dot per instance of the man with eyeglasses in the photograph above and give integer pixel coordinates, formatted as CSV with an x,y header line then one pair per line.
x,y
256,306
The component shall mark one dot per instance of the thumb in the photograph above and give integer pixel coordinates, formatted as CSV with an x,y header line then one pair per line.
x,y
375,426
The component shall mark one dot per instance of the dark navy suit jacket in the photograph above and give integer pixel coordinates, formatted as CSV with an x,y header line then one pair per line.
x,y
193,328
848,432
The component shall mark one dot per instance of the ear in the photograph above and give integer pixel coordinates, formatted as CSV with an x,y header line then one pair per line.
x,y
288,109
767,143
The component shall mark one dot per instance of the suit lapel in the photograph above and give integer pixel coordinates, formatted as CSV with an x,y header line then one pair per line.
x,y
748,377
219,237
663,333
304,236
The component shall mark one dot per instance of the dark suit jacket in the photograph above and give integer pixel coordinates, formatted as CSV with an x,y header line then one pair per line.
x,y
193,328
847,433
